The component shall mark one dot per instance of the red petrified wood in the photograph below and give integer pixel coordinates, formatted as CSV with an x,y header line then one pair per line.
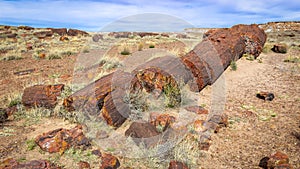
x,y
42,95
200,67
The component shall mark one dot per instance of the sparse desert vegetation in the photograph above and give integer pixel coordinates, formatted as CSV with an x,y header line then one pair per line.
x,y
249,129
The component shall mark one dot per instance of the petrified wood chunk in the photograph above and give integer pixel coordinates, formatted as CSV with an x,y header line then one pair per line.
x,y
280,48
109,161
143,132
265,96
275,160
42,95
196,109
177,165
61,139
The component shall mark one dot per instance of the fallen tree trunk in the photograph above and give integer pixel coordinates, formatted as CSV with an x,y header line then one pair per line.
x,y
200,67
220,47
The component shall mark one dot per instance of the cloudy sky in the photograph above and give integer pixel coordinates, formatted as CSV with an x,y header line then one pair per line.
x,y
149,15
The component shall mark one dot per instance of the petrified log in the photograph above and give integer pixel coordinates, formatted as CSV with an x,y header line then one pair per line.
x,y
106,94
163,75
76,32
25,28
143,34
161,71
41,95
213,55
254,36
200,67
59,31
43,34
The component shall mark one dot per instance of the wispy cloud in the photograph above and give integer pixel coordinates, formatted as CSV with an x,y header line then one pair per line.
x,y
95,15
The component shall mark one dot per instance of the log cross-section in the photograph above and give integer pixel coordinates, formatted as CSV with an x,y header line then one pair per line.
x,y
105,95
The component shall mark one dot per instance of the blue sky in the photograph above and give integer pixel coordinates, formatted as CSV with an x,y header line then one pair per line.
x,y
167,15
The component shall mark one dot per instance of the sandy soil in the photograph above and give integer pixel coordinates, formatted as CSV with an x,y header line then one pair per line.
x,y
253,133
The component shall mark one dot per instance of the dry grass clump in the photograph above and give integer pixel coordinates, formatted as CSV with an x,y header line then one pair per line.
x,y
267,47
125,51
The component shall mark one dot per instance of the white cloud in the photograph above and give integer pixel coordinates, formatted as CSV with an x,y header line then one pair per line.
x,y
94,14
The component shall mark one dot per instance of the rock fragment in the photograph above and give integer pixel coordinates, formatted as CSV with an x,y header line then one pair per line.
x,y
60,140
177,165
42,95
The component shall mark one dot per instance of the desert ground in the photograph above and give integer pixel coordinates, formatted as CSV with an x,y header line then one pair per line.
x,y
256,128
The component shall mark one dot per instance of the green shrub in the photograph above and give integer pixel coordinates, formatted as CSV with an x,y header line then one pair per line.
x,y
267,48
30,144
12,57
67,53
172,95
151,46
14,102
249,57
53,56
233,65
125,52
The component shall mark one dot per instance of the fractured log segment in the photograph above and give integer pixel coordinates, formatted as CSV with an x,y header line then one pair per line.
x,y
255,38
166,66
105,94
220,47
115,109
90,98
41,95
160,73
